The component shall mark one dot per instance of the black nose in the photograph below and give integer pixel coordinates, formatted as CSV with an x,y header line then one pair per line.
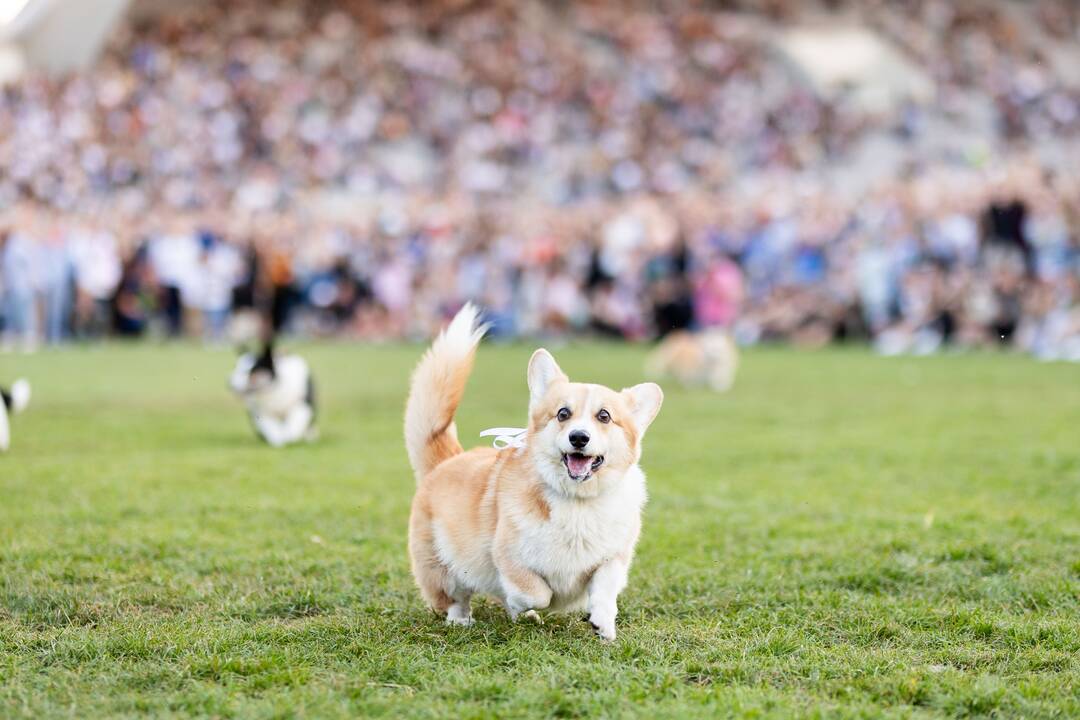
x,y
579,439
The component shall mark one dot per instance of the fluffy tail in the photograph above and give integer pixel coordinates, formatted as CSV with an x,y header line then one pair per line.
x,y
20,396
435,393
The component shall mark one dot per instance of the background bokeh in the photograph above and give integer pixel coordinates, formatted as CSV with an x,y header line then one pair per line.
x,y
903,172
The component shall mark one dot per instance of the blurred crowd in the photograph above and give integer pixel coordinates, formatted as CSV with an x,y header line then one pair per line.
x,y
364,168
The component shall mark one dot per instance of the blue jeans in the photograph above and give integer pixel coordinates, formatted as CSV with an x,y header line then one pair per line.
x,y
57,312
20,316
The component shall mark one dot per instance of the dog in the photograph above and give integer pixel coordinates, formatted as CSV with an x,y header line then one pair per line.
x,y
548,526
706,359
12,401
279,393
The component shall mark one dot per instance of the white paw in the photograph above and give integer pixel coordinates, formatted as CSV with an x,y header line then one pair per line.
x,y
603,624
534,616
518,605
459,615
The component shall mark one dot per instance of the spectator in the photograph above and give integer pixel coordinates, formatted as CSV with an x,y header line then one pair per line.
x,y
18,271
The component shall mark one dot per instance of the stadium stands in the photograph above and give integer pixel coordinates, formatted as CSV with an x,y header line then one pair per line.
x,y
569,165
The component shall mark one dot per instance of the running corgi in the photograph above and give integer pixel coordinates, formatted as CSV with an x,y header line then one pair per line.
x,y
549,526
709,358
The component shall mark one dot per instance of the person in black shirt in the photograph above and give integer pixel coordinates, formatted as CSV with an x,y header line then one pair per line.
x,y
1003,225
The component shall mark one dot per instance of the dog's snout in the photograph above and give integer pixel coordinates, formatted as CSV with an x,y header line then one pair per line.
x,y
579,439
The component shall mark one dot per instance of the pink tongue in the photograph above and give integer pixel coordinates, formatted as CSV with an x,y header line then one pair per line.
x,y
578,464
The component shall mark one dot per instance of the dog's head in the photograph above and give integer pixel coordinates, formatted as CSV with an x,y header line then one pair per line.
x,y
253,373
585,437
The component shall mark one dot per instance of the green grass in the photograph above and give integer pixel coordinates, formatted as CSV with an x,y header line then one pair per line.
x,y
842,535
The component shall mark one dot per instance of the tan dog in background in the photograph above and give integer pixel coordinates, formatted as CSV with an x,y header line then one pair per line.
x,y
709,358
550,526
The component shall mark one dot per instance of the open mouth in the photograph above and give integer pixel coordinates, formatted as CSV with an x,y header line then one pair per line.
x,y
580,466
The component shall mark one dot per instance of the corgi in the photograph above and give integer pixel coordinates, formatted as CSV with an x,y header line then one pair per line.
x,y
279,393
706,359
11,403
548,526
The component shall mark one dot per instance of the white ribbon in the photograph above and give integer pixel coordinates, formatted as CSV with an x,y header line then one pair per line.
x,y
506,437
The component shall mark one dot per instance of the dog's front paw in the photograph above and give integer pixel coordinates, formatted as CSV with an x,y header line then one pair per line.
x,y
534,616
603,624
459,614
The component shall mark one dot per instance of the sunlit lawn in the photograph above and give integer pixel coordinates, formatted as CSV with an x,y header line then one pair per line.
x,y
842,535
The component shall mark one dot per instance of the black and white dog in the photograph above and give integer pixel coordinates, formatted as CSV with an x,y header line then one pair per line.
x,y
279,393
12,401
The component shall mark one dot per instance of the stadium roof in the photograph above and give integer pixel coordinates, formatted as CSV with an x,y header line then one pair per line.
x,y
53,35
856,61
10,11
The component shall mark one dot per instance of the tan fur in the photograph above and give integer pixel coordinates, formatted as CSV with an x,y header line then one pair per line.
x,y
513,523
438,384
536,503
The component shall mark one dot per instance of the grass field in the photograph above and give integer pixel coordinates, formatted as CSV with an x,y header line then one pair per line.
x,y
841,536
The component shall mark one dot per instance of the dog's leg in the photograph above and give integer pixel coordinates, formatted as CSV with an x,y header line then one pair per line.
x,y
604,588
296,423
460,613
271,430
5,431
430,572
721,380
524,590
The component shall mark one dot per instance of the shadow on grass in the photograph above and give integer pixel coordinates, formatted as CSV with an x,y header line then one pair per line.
x,y
240,440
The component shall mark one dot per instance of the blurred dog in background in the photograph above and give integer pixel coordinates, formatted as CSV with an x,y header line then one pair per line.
x,y
547,525
12,401
279,393
706,359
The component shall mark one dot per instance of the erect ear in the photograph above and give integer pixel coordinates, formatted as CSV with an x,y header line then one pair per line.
x,y
543,370
645,401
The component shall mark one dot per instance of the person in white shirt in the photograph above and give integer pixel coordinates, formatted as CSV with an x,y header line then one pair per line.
x,y
174,255
96,259
208,286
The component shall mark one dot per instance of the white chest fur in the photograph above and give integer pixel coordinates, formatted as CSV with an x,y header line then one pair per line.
x,y
580,535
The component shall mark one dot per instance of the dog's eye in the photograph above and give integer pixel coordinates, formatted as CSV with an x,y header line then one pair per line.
x,y
564,414
603,416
